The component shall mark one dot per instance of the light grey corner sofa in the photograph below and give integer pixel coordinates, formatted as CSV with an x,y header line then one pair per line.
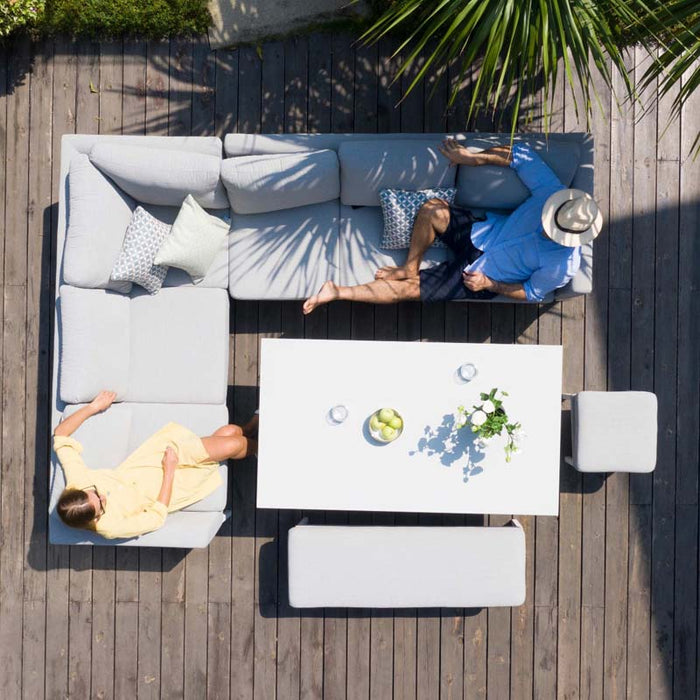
x,y
305,207
166,355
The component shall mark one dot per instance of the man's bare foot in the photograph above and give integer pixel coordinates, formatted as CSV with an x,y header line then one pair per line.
x,y
390,272
250,429
328,292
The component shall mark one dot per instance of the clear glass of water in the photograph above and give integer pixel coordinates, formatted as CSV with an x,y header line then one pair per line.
x,y
467,371
338,414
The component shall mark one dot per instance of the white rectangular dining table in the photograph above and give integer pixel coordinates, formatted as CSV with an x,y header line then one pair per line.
x,y
305,461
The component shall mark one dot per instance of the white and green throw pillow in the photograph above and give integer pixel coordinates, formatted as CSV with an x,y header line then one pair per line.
x,y
144,236
400,207
194,242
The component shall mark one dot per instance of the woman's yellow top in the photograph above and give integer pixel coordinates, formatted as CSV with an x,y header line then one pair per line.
x,y
133,487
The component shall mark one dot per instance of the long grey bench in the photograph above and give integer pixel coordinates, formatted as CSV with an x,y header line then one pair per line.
x,y
406,567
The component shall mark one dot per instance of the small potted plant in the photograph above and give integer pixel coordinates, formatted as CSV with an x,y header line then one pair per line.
x,y
488,419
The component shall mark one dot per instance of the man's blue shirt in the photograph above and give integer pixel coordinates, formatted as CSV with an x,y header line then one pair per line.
x,y
515,248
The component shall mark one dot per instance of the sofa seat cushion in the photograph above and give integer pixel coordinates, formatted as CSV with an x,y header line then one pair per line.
x,y
366,167
495,187
98,215
167,348
360,241
257,184
179,346
95,343
283,255
160,175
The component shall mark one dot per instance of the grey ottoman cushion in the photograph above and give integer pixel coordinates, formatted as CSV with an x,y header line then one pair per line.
x,y
614,431
366,167
257,184
95,337
179,346
360,252
283,255
406,567
162,176
494,187
98,215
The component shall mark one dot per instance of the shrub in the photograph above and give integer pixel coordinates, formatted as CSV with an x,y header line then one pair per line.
x,y
17,14
116,18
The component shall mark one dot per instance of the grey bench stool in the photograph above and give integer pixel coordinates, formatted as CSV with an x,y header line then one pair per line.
x,y
613,431
350,566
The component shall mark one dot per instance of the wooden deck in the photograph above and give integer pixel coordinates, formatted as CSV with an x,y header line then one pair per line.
x,y
612,607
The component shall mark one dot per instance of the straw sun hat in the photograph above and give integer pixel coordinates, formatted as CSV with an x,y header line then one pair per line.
x,y
571,218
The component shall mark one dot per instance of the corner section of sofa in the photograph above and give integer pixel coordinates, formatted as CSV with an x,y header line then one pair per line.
x,y
185,528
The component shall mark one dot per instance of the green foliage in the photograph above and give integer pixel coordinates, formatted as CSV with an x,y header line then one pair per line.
x,y
18,14
489,418
516,45
674,27
117,18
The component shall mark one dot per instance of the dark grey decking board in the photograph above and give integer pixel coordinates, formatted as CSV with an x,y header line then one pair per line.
x,y
612,584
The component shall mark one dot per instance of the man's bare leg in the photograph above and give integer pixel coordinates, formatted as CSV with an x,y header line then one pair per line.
x,y
432,220
377,292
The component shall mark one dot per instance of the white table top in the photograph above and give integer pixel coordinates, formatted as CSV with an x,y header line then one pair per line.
x,y
305,462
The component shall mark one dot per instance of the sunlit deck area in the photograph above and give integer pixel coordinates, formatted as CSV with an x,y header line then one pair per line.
x,y
612,582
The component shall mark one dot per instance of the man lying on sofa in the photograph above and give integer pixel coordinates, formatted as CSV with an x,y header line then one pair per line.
x,y
524,255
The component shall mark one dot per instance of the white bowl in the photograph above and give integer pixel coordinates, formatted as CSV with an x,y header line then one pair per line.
x,y
376,434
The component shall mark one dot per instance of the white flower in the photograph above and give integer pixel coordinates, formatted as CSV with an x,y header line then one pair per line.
x,y
488,406
478,418
518,436
460,419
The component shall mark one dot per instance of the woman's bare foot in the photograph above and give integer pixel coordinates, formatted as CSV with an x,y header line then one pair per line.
x,y
390,272
328,292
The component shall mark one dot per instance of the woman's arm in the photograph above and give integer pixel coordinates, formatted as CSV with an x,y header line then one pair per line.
x,y
100,403
169,466
458,154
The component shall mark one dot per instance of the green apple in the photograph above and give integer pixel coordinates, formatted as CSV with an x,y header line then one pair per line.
x,y
396,423
386,414
375,424
388,433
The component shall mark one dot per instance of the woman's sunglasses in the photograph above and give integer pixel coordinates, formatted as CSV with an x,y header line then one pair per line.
x,y
97,493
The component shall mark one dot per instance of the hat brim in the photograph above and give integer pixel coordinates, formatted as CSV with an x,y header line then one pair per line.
x,y
558,235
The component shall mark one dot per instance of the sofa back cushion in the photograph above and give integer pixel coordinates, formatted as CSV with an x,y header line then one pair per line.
x,y
366,167
494,187
95,343
258,184
98,215
162,176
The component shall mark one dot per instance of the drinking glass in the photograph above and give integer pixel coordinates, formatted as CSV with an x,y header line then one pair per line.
x,y
338,414
467,371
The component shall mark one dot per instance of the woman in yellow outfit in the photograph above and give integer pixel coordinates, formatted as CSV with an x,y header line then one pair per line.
x,y
171,470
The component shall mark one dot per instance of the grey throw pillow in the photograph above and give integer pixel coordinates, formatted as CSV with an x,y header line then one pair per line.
x,y
144,236
400,207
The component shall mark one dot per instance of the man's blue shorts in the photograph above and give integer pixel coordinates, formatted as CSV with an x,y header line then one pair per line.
x,y
443,282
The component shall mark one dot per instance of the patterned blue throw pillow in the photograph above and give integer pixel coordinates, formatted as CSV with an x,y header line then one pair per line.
x,y
142,239
400,208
